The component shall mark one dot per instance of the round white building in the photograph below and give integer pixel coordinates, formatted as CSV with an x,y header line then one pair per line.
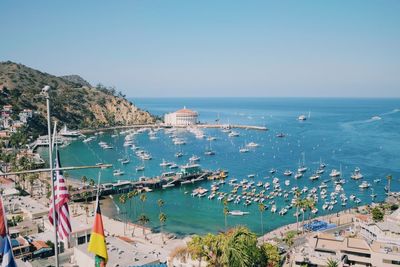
x,y
182,117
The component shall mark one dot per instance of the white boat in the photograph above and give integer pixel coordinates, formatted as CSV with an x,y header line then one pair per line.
x,y
302,117
238,213
272,171
377,180
118,173
140,168
67,133
334,173
356,175
314,177
364,185
298,175
376,118
302,167
168,185
287,182
252,144
244,150
194,158
320,171
174,166
211,138
164,163
288,173
233,134
273,208
88,139
251,176
178,154
125,161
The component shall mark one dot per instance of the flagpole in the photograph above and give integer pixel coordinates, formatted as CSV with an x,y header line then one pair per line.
x,y
45,92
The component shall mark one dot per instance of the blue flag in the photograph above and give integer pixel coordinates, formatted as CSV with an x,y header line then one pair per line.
x,y
8,256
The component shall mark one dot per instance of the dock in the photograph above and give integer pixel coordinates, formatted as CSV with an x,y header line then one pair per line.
x,y
163,126
190,174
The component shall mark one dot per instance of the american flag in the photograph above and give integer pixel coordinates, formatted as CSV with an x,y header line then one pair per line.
x,y
61,199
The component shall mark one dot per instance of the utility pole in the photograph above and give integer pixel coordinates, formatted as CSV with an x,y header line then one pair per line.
x,y
45,93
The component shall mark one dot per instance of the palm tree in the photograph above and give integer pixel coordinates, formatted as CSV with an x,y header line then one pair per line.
x,y
84,179
303,207
310,206
332,263
91,182
163,219
143,220
239,248
131,195
297,204
261,208
160,203
143,198
226,212
122,200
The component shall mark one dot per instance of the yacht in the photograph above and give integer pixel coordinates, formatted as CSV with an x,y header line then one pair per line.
x,y
233,134
252,144
125,161
174,166
302,118
334,173
178,154
280,135
88,139
243,150
302,167
377,180
67,133
314,177
376,118
164,163
320,171
364,185
238,213
272,171
118,173
194,158
298,175
356,175
211,138
273,208
140,168
287,173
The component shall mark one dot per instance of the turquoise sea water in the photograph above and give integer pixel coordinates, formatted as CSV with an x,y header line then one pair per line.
x,y
339,131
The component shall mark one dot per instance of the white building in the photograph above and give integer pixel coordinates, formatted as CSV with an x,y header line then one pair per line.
x,y
182,117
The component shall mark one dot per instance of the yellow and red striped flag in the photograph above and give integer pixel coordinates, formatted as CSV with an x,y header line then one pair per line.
x,y
97,243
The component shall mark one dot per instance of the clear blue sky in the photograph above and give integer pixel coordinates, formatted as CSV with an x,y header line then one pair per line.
x,y
212,48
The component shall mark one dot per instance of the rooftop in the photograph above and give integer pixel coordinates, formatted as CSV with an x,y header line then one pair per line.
x,y
186,111
121,253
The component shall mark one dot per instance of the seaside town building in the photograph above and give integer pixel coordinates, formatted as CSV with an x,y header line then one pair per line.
x,y
363,243
182,117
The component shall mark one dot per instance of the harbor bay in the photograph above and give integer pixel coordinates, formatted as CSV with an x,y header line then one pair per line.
x,y
345,134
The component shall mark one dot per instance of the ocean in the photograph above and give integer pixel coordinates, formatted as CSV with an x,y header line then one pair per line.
x,y
338,131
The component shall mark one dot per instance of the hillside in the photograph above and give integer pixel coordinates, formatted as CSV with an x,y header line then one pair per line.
x,y
73,104
76,79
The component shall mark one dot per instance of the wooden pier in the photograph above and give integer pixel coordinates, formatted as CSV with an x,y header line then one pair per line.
x,y
215,126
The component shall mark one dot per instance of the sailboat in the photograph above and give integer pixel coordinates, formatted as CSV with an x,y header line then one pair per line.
x,y
302,167
209,151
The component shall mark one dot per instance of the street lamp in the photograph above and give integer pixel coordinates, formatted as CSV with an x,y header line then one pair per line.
x,y
45,93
